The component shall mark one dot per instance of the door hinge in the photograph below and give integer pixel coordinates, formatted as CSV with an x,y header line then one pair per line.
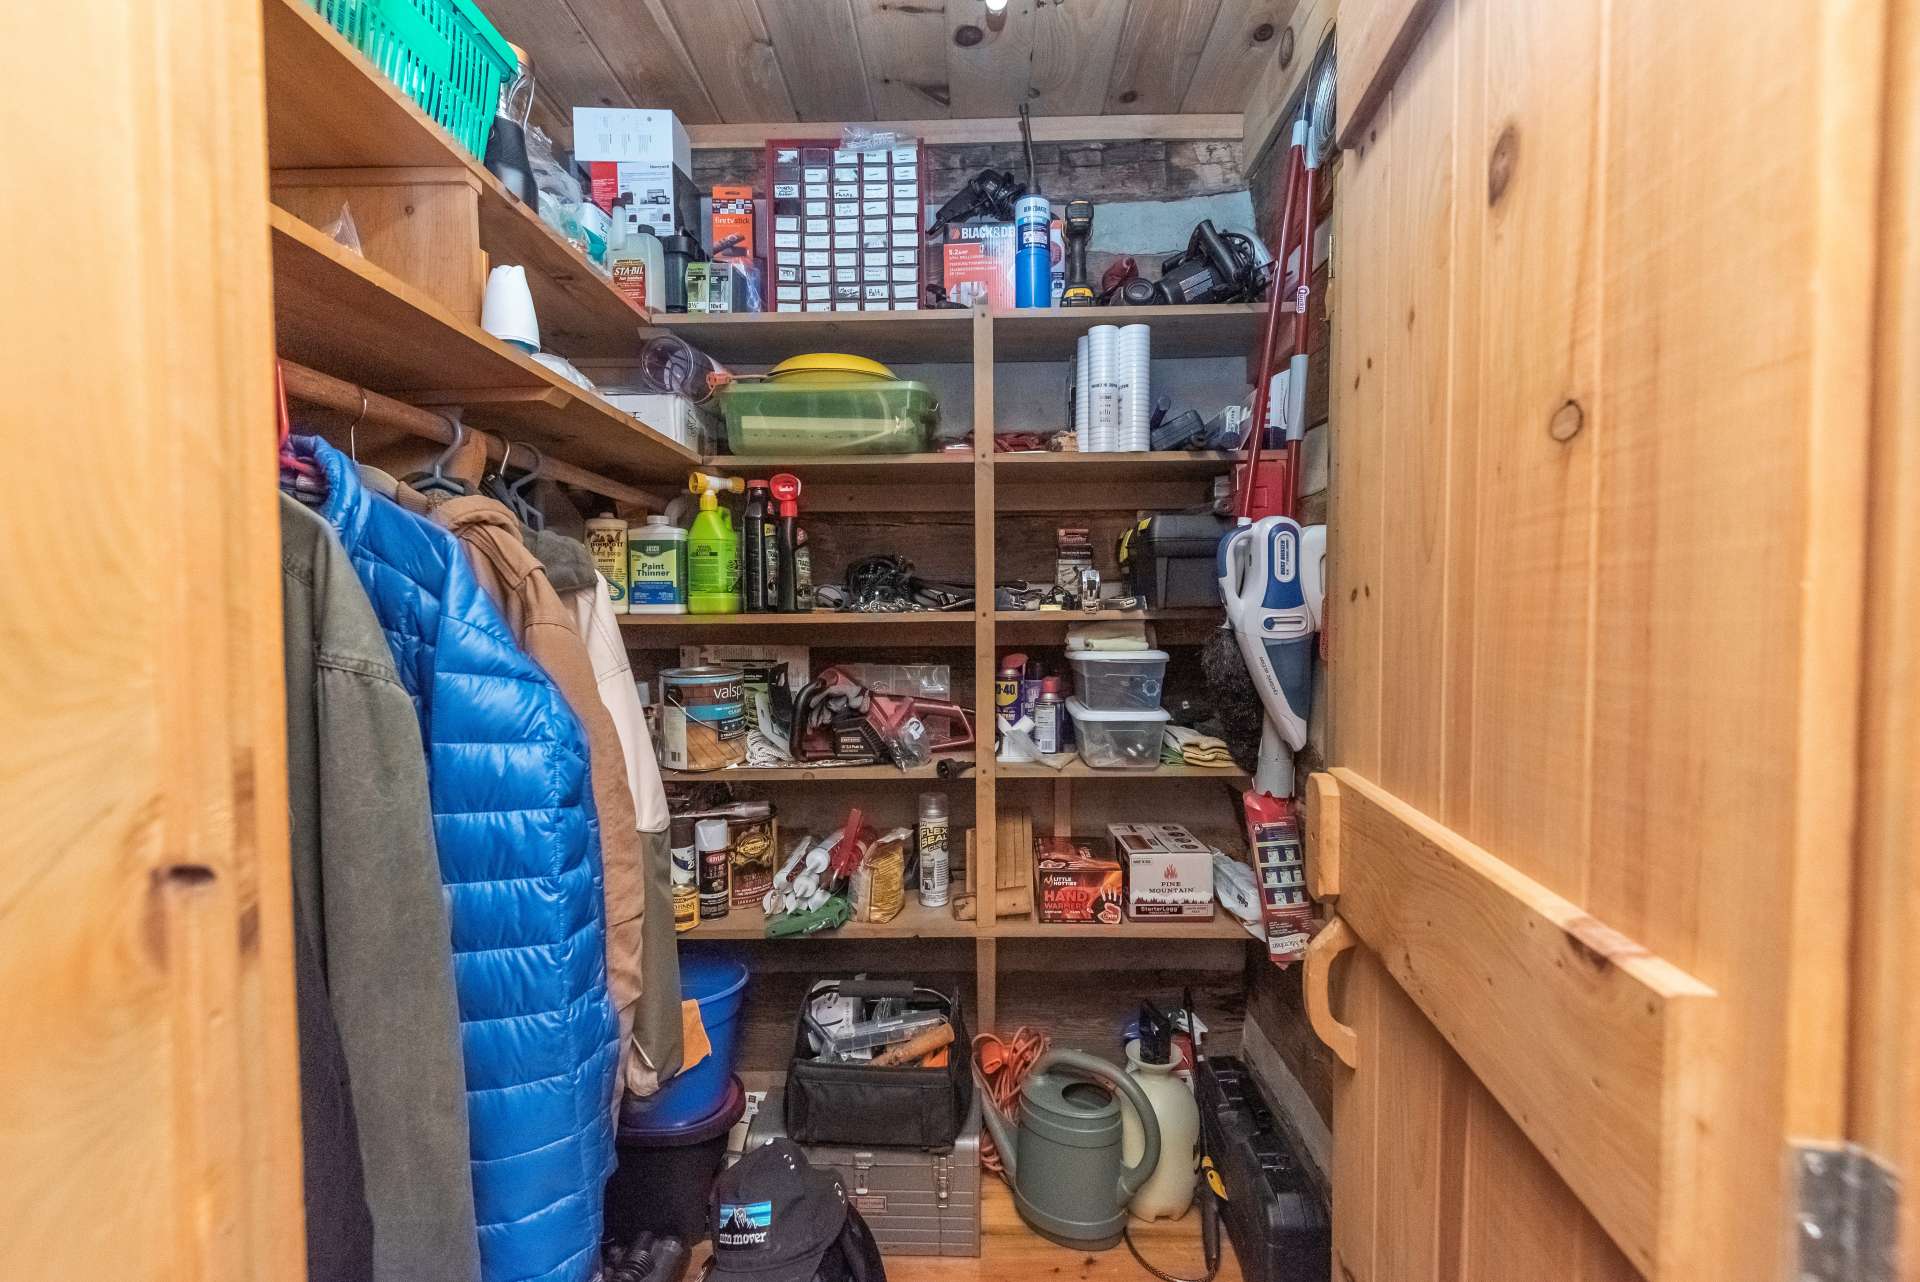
x,y
1847,1217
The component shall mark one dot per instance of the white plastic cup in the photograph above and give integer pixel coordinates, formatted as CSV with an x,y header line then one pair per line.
x,y
506,312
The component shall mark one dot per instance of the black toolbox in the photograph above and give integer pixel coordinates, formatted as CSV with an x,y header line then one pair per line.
x,y
1279,1228
1170,559
922,1108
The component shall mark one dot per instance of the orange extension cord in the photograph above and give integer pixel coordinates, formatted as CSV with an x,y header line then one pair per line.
x,y
1003,1065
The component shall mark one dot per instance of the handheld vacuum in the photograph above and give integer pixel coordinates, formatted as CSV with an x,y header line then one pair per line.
x,y
1273,581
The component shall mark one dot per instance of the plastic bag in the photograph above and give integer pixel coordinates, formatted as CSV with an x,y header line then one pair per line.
x,y
861,138
343,230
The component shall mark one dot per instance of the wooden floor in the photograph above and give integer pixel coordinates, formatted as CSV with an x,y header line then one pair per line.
x,y
1010,1252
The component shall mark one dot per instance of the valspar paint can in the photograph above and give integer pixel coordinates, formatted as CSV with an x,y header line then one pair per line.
x,y
607,541
703,717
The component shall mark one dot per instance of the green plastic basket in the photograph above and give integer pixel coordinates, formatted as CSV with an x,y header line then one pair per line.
x,y
443,54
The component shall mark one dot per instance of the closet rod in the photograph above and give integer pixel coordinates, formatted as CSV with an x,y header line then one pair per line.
x,y
323,390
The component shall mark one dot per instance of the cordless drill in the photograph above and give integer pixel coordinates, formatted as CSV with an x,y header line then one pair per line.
x,y
1077,224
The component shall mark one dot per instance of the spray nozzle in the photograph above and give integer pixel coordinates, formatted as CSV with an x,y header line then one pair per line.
x,y
706,485
785,488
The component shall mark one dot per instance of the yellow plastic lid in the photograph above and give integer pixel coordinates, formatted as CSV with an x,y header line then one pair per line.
x,y
827,367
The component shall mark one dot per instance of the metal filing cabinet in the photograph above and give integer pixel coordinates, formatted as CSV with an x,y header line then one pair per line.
x,y
916,1203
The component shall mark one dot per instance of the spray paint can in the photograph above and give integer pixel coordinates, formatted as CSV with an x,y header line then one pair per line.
x,y
607,541
934,863
1050,718
1032,261
686,873
715,853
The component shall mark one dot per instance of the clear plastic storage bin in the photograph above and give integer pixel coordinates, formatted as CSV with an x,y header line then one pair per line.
x,y
855,416
1118,740
1121,680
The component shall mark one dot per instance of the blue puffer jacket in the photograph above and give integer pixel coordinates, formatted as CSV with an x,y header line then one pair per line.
x,y
519,851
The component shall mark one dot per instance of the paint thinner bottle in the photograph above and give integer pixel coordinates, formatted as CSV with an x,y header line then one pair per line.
x,y
657,568
934,862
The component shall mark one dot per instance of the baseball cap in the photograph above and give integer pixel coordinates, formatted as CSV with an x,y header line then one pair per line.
x,y
773,1216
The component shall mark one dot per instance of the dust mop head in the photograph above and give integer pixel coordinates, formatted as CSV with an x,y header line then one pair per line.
x,y
1236,702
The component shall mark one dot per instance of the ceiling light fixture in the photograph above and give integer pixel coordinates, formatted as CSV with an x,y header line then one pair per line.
x,y
996,6
996,15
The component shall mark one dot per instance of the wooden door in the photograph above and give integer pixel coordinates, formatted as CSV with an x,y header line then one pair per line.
x,y
148,1078
1603,334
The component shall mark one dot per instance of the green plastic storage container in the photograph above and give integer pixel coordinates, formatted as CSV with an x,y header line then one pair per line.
x,y
855,416
443,54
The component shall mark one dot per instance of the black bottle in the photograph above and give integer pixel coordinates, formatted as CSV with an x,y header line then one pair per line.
x,y
753,537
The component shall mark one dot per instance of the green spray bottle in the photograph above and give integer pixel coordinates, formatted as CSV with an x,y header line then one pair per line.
x,y
713,549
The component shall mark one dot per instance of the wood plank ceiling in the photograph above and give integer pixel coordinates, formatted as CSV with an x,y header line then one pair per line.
x,y
752,61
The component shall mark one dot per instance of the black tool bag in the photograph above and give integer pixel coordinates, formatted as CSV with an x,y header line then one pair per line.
x,y
896,1107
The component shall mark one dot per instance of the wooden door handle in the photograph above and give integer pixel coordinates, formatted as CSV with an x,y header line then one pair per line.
x,y
1334,938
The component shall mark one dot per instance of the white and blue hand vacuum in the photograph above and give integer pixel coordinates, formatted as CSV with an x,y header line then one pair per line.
x,y
1273,581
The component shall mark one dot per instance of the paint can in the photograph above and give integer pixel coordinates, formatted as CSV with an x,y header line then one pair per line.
x,y
715,852
703,717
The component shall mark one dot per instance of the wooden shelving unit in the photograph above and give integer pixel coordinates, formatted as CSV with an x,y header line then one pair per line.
x,y
402,320
335,311
328,108
980,489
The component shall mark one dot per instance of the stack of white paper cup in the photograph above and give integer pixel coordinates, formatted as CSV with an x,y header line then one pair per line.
x,y
1103,388
1133,365
1081,396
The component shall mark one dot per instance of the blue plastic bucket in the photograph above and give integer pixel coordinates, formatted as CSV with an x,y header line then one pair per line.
x,y
719,984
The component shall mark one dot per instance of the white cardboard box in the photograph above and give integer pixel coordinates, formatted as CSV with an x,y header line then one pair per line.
x,y
1169,872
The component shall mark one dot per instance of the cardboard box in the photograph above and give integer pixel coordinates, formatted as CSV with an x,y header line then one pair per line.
x,y
1279,864
976,262
1074,885
644,155
1169,872
732,216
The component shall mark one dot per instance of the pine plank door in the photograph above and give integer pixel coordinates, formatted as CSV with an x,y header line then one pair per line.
x,y
149,1123
1603,284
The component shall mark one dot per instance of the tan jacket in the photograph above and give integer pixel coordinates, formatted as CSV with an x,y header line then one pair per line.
x,y
549,631
657,1027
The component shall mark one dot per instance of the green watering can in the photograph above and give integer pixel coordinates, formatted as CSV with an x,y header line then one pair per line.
x,y
1064,1160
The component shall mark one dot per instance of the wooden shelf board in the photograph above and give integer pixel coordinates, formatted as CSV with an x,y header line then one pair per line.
x,y
914,922
956,621
1010,1250
329,108
1219,329
1078,769
942,337
342,315
1223,926
1155,465
1063,617
816,772
872,469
